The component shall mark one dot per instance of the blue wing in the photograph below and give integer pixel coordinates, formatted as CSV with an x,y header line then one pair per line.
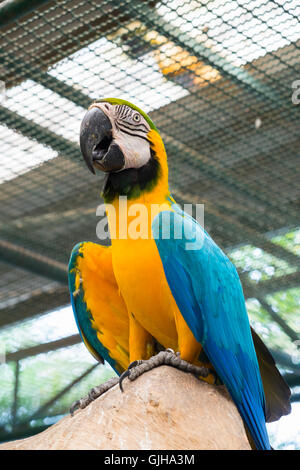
x,y
208,292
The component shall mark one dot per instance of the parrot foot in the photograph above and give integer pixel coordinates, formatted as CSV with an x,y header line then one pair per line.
x,y
94,393
168,358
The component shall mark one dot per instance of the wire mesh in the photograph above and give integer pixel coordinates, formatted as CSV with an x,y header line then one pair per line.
x,y
218,79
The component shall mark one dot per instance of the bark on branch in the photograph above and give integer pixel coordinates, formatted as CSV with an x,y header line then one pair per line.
x,y
163,409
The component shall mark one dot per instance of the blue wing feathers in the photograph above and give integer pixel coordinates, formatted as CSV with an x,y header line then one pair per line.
x,y
208,292
178,277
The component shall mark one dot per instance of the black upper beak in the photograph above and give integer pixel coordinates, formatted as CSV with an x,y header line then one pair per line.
x,y
96,143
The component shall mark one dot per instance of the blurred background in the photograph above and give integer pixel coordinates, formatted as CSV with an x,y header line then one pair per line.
x,y
220,79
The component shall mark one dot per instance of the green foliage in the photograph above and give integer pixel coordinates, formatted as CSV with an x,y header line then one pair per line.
x,y
270,332
42,377
48,327
290,241
259,265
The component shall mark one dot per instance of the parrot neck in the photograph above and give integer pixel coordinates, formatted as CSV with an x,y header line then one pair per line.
x,y
133,201
147,184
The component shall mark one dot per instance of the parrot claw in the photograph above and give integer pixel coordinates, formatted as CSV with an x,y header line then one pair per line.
x,y
127,372
167,357
74,407
94,393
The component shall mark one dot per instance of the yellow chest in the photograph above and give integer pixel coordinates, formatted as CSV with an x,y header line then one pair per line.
x,y
140,276
141,279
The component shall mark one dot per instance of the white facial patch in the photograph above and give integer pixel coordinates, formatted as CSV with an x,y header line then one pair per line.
x,y
135,149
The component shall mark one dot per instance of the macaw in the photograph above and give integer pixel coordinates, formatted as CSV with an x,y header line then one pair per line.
x,y
150,288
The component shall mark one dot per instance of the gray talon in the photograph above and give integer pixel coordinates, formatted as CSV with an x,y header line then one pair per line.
x,y
93,394
74,407
122,377
127,373
167,357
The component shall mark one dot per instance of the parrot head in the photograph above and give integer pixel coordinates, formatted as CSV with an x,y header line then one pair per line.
x,y
118,138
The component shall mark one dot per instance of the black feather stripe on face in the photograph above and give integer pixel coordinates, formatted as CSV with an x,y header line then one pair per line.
x,y
123,122
134,134
132,181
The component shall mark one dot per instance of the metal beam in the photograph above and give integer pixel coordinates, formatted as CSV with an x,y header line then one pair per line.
x,y
277,318
291,379
275,284
46,405
33,262
36,304
285,361
60,87
48,81
15,396
22,433
39,133
44,348
295,397
13,10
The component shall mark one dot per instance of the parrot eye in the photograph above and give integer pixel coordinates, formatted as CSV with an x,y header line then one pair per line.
x,y
136,117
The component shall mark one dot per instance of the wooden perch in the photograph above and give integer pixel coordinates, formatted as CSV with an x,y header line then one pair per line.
x,y
163,409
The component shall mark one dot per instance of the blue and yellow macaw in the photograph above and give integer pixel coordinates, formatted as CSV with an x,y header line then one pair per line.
x,y
149,287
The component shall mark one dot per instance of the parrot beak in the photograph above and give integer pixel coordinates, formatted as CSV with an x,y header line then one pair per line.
x,y
96,143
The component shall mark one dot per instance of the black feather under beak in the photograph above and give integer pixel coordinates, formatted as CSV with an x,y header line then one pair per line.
x,y
97,145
